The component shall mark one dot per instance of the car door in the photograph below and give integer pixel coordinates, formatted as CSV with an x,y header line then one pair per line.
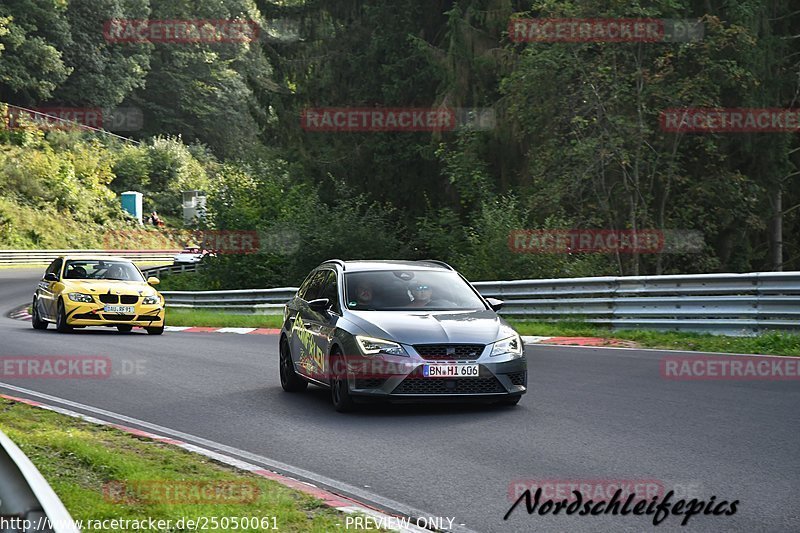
x,y
305,352
322,325
46,296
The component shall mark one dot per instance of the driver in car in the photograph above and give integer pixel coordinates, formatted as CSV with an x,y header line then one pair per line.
x,y
116,272
364,293
422,293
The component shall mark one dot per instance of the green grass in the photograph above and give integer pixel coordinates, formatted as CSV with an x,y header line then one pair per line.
x,y
177,316
772,343
78,459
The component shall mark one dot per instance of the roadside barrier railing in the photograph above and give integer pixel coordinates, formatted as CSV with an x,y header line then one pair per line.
x,y
731,304
26,497
43,257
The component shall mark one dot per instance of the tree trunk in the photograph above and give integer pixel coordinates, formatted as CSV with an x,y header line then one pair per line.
x,y
776,230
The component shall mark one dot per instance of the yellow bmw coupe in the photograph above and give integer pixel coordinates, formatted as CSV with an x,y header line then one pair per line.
x,y
79,291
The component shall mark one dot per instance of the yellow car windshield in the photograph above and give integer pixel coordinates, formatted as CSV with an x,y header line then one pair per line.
x,y
101,270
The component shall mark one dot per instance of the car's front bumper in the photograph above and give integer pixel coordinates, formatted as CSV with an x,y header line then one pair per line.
x,y
86,314
495,381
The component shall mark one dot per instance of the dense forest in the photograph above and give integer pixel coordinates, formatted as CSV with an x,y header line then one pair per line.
x,y
573,142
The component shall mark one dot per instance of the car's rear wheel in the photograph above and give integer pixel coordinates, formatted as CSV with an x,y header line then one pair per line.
x,y
340,391
124,328
61,319
36,320
290,381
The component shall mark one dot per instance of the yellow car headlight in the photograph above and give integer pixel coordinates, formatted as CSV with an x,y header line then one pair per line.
x,y
150,300
80,297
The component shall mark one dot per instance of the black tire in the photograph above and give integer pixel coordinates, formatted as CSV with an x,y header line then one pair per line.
x,y
155,331
340,391
36,320
124,328
290,381
61,319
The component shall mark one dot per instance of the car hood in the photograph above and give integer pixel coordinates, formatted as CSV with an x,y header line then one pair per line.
x,y
419,327
101,286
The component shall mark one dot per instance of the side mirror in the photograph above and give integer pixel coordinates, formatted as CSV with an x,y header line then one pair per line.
x,y
50,277
152,280
320,305
495,304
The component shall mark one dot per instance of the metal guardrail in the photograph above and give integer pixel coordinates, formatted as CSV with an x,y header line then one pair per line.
x,y
159,271
258,301
43,257
732,304
26,495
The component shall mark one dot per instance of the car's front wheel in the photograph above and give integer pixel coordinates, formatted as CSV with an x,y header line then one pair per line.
x,y
124,328
154,331
36,320
61,319
340,390
290,381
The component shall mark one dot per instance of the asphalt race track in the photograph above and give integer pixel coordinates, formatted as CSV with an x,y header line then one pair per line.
x,y
591,413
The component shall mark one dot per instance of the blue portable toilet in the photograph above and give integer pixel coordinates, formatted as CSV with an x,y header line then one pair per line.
x,y
132,203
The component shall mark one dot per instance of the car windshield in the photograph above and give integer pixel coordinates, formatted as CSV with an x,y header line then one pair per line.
x,y
403,290
101,269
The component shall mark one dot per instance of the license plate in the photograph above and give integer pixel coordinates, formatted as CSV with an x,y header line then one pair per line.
x,y
121,309
450,371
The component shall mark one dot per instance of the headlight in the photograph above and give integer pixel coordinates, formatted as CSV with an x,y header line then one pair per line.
x,y
150,300
373,346
80,297
512,345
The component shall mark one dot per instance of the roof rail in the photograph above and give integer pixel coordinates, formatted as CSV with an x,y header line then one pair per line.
x,y
436,262
337,261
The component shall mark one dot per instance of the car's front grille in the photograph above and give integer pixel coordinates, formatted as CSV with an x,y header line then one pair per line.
x,y
129,299
416,383
369,383
109,298
517,378
437,386
443,352
117,318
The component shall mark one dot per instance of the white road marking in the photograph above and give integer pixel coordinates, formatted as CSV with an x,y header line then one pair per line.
x,y
534,340
240,331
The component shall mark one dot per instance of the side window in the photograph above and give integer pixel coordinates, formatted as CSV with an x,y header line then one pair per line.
x,y
314,288
54,268
331,290
301,292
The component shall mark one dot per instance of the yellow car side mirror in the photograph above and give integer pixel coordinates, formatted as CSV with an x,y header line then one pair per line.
x,y
152,280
